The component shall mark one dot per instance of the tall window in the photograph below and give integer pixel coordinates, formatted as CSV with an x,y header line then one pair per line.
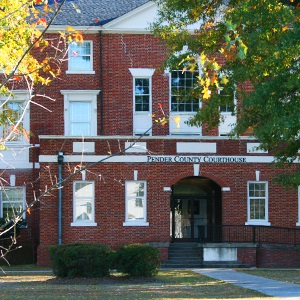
x,y
142,94
136,208
80,118
258,203
81,58
80,112
142,100
12,201
182,85
83,203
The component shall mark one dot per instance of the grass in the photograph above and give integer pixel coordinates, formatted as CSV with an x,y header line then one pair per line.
x,y
291,276
168,284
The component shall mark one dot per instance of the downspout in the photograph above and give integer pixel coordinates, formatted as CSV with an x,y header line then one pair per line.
x,y
60,159
101,85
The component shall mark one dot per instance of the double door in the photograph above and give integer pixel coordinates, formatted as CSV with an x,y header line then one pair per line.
x,y
188,218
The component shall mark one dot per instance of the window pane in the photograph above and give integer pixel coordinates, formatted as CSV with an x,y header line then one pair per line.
x,y
84,189
80,111
257,209
83,209
80,56
80,118
12,201
135,208
135,189
182,97
84,199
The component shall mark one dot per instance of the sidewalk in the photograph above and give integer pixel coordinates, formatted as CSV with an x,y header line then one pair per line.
x,y
282,290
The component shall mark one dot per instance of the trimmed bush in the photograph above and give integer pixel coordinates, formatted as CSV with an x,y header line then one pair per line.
x,y
138,260
80,260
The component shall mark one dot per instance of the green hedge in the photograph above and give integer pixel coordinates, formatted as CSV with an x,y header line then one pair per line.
x,y
81,260
138,260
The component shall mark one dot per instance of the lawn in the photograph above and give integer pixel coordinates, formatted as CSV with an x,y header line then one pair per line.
x,y
291,276
168,284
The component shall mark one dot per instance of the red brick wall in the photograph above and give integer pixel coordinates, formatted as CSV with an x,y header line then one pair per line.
x,y
278,257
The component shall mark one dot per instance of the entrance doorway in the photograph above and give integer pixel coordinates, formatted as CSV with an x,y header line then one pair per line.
x,y
195,204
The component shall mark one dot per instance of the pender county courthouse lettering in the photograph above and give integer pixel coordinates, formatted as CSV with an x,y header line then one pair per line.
x,y
196,159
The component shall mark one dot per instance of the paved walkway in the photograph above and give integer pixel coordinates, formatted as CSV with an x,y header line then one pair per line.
x,y
282,290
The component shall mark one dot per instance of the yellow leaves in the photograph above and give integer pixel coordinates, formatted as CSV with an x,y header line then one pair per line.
x,y
224,80
206,93
177,121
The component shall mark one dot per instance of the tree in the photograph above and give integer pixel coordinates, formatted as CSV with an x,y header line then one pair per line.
x,y
29,60
236,43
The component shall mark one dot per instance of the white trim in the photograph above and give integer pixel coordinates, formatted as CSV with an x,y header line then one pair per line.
x,y
80,72
252,148
81,96
142,72
81,224
163,158
194,147
132,223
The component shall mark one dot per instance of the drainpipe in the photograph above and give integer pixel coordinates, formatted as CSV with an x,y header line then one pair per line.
x,y
60,159
101,85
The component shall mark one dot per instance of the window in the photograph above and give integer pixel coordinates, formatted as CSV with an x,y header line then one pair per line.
x,y
16,109
257,203
81,58
13,201
227,110
142,100
80,112
142,94
135,203
83,203
182,85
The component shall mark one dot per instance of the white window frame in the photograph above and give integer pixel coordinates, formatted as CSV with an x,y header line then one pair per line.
x,y
83,222
142,120
134,222
80,96
22,97
22,202
228,117
81,71
258,222
184,116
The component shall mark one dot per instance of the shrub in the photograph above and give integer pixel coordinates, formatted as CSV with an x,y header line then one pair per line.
x,y
138,260
80,260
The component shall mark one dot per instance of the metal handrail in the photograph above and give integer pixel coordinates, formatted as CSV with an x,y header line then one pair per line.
x,y
248,234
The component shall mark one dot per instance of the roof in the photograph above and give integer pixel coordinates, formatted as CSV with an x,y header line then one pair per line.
x,y
94,12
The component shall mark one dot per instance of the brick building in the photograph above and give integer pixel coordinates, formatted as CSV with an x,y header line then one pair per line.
x,y
173,184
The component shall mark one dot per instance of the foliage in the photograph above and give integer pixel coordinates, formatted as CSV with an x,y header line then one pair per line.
x,y
138,260
237,44
80,260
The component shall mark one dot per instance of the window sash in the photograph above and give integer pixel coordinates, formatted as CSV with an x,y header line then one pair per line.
x,y
257,201
80,118
142,94
182,84
80,56
12,201
136,201
14,111
84,197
